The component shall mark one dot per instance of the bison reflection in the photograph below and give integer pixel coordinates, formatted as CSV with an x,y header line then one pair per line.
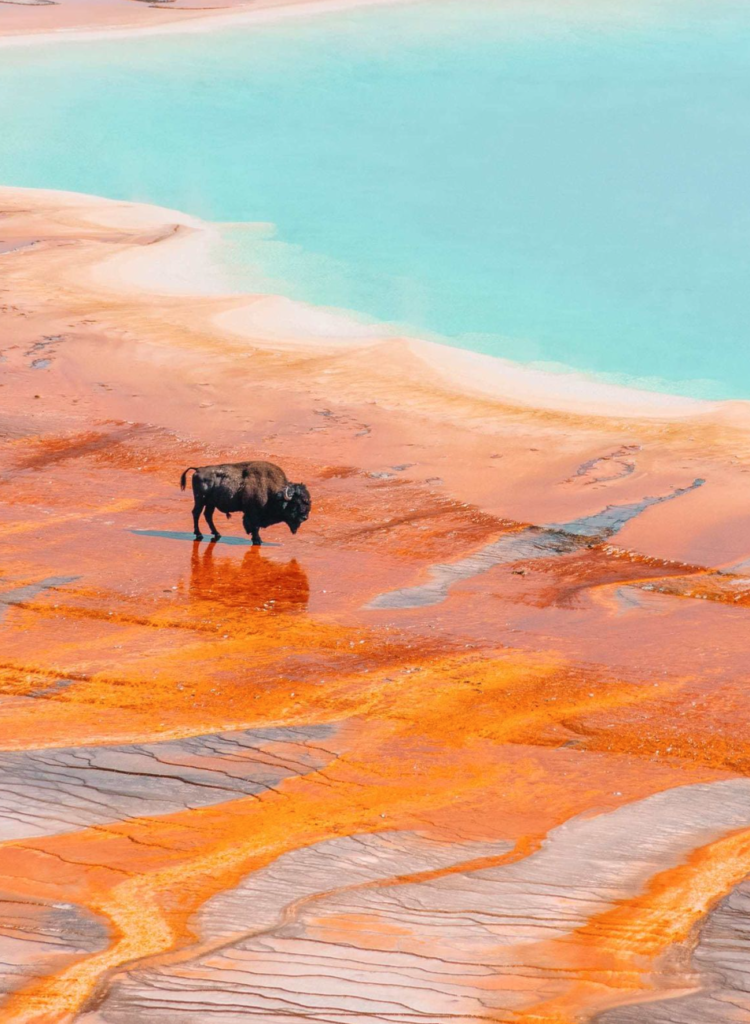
x,y
255,582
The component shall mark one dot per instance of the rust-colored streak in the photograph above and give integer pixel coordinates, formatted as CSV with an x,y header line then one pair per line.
x,y
225,760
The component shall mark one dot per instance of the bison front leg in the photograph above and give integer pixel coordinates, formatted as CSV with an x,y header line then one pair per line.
x,y
251,526
197,509
209,514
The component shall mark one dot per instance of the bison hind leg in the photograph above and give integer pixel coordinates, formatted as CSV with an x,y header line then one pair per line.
x,y
209,516
197,509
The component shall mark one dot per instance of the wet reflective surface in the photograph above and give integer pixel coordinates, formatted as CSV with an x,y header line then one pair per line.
x,y
277,784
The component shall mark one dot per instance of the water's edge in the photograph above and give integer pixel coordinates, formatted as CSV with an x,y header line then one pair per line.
x,y
184,262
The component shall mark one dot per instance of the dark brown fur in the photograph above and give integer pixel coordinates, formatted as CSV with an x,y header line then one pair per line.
x,y
259,490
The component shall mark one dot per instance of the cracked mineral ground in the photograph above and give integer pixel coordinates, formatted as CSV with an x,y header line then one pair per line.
x,y
472,745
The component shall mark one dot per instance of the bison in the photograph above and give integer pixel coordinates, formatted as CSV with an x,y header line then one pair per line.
x,y
259,490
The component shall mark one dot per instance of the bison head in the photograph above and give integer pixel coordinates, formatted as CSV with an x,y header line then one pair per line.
x,y
295,505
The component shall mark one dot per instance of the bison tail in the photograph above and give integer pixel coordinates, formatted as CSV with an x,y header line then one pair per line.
x,y
183,478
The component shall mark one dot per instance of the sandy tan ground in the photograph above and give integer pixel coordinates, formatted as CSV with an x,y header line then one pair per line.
x,y
22,19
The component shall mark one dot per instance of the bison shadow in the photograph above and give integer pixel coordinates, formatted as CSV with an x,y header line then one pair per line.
x,y
253,582
184,535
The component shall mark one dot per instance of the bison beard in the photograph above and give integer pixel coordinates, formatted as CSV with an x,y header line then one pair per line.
x,y
259,490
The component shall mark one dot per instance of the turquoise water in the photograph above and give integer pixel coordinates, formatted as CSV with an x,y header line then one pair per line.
x,y
564,189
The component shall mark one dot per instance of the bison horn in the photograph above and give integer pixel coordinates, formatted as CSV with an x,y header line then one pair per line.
x,y
288,492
